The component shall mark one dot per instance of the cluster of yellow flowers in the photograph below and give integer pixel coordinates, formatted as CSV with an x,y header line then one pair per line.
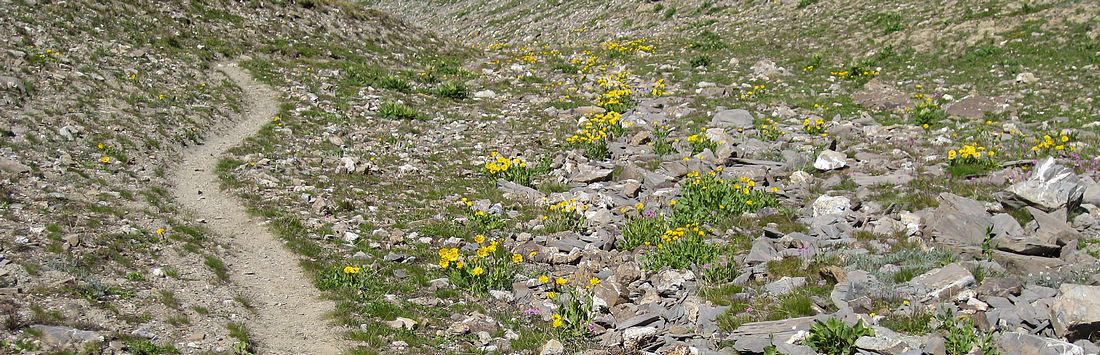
x,y
629,46
756,92
587,62
569,206
497,164
814,127
969,153
1049,143
107,151
658,88
599,128
769,130
351,270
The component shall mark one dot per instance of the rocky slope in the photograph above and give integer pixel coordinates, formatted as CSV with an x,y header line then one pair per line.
x,y
98,98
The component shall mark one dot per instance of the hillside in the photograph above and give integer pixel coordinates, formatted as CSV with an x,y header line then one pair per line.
x,y
459,176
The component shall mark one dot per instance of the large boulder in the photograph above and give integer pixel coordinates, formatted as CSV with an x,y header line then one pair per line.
x,y
1050,187
1023,343
940,284
960,221
732,119
1075,313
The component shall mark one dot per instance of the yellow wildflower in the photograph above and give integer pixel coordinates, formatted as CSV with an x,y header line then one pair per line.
x,y
477,271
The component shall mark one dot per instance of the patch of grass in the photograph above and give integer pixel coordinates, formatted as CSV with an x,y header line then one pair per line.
x,y
452,90
918,323
888,22
244,344
397,110
139,346
218,267
168,298
707,41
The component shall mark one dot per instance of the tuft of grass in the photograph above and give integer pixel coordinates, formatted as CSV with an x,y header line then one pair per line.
x,y
218,266
397,110
918,323
452,90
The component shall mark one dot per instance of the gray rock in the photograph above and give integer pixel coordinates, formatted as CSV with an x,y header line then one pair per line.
x,y
517,191
1023,343
830,160
762,252
942,283
588,174
10,83
637,334
959,221
882,345
785,285
638,321
1052,227
13,167
670,281
888,179
732,119
831,205
65,337
1050,187
1075,313
552,347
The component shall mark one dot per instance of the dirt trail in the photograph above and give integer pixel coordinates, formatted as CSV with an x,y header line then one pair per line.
x,y
290,315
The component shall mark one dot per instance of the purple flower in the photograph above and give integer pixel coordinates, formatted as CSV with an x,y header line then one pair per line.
x,y
748,310
649,213
723,262
532,312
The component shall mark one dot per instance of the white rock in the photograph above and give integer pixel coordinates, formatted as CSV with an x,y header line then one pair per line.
x,y
826,205
830,160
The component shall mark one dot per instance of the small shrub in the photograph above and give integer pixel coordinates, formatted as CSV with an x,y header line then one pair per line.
x,y
708,198
701,60
928,111
834,337
971,159
814,127
768,130
489,267
916,323
397,110
512,169
680,248
960,336
575,309
594,133
393,83
644,229
567,215
700,142
661,144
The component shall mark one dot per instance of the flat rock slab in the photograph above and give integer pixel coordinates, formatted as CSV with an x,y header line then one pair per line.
x,y
942,283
